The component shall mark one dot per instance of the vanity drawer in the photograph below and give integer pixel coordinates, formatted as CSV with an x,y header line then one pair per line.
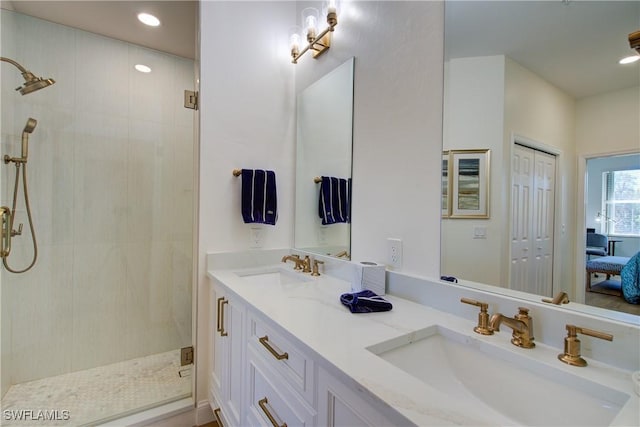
x,y
270,401
281,355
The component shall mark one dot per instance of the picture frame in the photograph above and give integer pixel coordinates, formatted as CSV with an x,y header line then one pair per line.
x,y
446,185
469,183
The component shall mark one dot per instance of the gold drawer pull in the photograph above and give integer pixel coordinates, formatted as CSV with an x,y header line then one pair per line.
x,y
220,326
265,342
216,413
263,405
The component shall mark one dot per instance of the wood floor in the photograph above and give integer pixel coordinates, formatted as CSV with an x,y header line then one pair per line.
x,y
610,302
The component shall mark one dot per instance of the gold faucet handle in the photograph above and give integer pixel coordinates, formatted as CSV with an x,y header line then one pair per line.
x,y
315,271
574,330
483,317
571,353
306,264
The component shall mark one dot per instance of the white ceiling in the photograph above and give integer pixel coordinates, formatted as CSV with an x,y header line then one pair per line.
x,y
118,19
574,45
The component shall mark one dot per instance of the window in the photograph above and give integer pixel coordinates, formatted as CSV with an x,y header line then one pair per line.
x,y
621,202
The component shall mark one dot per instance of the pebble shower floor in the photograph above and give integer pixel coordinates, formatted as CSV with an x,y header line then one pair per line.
x,y
98,394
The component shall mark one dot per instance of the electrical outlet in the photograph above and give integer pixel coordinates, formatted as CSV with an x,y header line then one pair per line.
x,y
322,235
255,237
394,252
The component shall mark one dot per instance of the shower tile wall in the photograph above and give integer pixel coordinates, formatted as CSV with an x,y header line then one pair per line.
x,y
110,176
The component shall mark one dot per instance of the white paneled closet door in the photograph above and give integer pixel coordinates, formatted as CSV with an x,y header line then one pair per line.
x,y
532,213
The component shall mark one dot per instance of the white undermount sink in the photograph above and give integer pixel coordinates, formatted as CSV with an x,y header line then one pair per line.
x,y
491,379
274,276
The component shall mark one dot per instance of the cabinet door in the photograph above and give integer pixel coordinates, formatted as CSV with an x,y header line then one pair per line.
x,y
227,352
340,405
216,344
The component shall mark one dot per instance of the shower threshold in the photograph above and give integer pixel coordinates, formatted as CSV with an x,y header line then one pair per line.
x,y
99,394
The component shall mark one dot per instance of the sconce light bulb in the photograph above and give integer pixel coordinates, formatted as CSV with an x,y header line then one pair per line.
x,y
330,10
310,22
295,41
332,6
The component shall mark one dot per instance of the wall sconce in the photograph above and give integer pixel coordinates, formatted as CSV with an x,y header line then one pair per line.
x,y
317,43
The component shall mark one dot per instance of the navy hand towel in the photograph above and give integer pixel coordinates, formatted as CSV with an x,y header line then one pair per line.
x,y
259,199
334,204
365,302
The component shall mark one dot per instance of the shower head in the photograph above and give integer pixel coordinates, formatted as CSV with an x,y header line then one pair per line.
x,y
31,82
30,126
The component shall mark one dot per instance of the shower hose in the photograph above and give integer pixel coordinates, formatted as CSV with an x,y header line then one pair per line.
x,y
13,215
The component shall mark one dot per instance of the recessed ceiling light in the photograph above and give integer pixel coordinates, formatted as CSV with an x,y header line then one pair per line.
x,y
629,59
148,19
143,68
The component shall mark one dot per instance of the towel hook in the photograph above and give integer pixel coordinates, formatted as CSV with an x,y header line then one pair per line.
x,y
237,172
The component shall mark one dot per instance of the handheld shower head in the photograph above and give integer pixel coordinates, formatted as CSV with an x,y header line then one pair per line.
x,y
32,83
30,126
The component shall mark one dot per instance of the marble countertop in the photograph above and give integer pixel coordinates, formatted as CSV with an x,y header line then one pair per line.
x,y
312,313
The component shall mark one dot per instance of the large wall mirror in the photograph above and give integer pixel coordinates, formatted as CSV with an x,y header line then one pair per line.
x,y
537,85
323,164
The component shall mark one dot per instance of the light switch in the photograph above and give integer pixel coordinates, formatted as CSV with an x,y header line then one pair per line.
x,y
479,232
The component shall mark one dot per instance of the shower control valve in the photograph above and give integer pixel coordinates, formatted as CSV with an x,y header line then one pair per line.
x,y
17,233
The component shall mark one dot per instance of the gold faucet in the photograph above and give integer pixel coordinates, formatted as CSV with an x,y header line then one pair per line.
x,y
521,324
296,259
483,317
571,353
301,264
560,298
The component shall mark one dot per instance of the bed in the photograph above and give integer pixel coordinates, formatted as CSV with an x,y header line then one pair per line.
x,y
611,266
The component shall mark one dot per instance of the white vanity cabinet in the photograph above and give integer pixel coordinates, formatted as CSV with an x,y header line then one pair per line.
x,y
228,345
262,375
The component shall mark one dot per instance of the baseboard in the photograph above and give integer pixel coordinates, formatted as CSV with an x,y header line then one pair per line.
x,y
204,413
181,413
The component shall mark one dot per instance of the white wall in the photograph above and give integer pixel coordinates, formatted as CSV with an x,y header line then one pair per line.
x,y
397,125
474,119
537,110
487,101
608,123
247,120
109,171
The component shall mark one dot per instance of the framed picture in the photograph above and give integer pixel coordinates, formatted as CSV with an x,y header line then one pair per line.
x,y
469,183
446,185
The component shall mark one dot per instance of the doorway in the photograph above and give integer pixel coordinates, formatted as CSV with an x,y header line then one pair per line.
x,y
612,203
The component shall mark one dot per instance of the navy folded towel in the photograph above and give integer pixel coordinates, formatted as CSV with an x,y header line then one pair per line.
x,y
259,199
334,204
365,302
